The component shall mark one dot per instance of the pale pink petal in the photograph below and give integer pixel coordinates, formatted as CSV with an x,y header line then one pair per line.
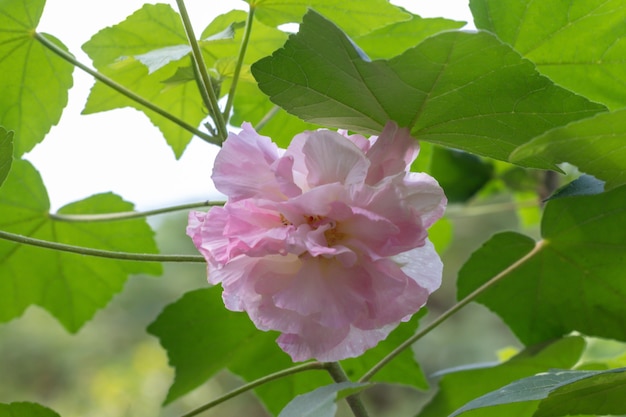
x,y
392,153
425,196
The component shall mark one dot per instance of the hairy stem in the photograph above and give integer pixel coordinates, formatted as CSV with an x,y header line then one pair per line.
x,y
354,401
123,90
240,58
104,217
124,256
207,84
247,387
451,311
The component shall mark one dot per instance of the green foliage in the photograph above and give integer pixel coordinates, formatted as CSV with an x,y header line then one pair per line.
x,y
463,90
24,409
572,281
34,81
563,393
71,287
321,402
6,153
459,387
579,45
596,146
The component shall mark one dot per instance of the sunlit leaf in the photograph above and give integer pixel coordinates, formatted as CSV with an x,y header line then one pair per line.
x,y
24,409
460,387
573,279
596,146
563,393
321,402
463,90
34,80
355,17
71,287
6,153
580,45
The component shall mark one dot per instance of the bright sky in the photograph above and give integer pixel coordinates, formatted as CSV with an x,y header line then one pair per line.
x,y
120,150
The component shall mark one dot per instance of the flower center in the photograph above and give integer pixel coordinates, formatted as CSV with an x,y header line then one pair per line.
x,y
332,235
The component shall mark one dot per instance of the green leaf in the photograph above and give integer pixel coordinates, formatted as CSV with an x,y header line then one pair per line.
x,y
580,45
153,27
321,402
6,153
396,38
563,393
457,388
596,146
463,90
70,286
573,279
356,18
583,185
24,409
34,80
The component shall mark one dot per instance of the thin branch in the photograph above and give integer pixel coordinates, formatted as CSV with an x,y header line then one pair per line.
x,y
270,114
354,401
240,58
126,215
124,256
123,90
205,79
247,387
450,312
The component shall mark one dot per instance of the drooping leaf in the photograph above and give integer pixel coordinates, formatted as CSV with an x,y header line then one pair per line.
x,y
596,146
393,39
463,90
321,402
25,409
458,388
564,393
70,286
580,45
34,80
356,18
6,153
571,280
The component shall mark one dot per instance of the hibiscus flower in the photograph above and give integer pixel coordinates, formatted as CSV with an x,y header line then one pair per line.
x,y
326,241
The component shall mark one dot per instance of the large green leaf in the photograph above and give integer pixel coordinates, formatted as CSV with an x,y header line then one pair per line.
x,y
70,286
462,90
355,17
596,146
580,45
6,153
563,393
571,280
458,388
34,80
24,409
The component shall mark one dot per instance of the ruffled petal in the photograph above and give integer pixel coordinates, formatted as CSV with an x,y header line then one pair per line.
x,y
392,153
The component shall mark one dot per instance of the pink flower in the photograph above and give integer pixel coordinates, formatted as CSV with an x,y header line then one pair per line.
x,y
325,241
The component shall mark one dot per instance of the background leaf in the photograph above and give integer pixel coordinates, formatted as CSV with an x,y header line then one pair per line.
x,y
462,90
34,80
320,402
356,18
458,388
565,393
596,146
6,153
70,286
573,282
24,409
580,45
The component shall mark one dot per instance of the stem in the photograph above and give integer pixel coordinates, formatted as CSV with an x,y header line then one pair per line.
x,y
240,58
247,387
273,111
123,90
126,215
354,401
125,256
207,84
451,311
